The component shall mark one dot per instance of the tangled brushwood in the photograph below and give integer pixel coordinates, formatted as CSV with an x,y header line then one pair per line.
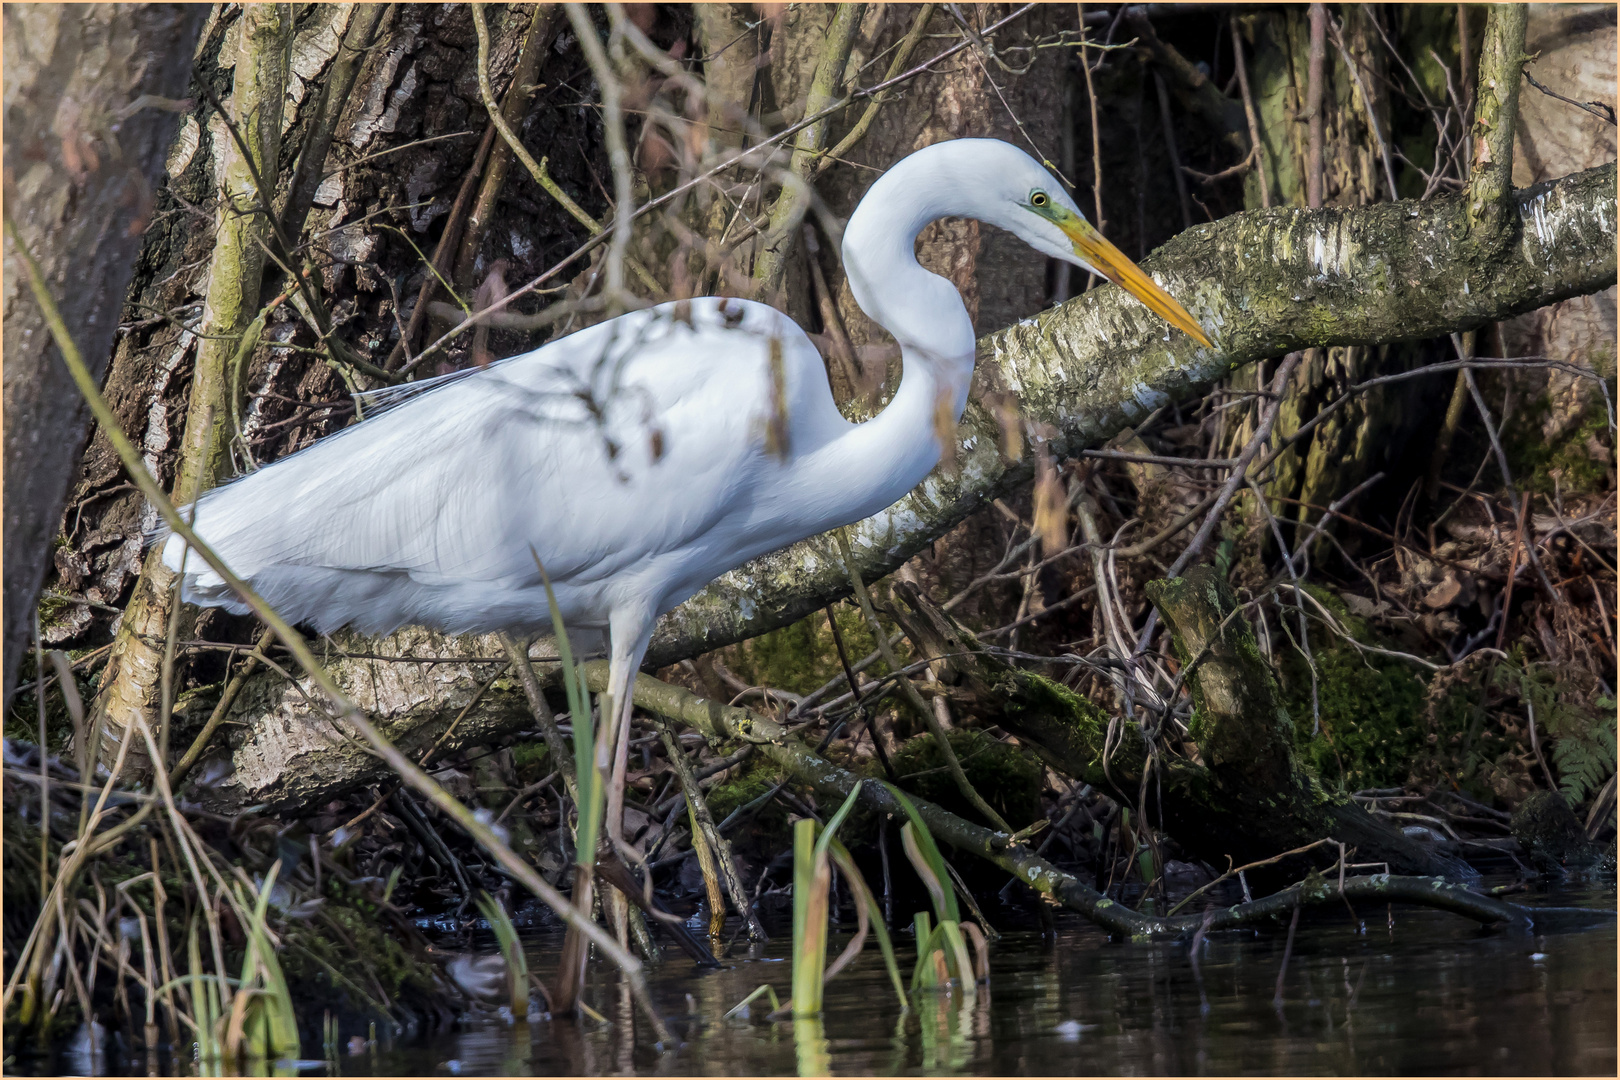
x,y
1176,639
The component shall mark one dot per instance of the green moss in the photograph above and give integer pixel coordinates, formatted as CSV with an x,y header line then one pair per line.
x,y
1371,708
802,656
1370,729
1552,834
770,822
531,760
345,957
1567,463
1005,776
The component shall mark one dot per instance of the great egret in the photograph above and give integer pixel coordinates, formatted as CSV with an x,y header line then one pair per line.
x,y
642,457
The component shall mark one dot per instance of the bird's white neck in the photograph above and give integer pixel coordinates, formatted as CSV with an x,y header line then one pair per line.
x,y
922,310
895,450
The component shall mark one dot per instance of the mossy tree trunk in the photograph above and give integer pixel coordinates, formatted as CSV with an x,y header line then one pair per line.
x,y
1231,790
131,686
1357,128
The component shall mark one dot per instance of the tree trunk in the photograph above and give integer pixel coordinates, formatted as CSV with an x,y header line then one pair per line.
x,y
89,116
1369,431
1573,50
208,443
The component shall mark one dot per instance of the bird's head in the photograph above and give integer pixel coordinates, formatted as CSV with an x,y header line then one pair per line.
x,y
1030,202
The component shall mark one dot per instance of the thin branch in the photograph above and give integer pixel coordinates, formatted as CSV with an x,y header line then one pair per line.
x,y
1279,384
1596,108
1256,147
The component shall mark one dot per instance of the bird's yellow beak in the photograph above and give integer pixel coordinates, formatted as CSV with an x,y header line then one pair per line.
x,y
1111,262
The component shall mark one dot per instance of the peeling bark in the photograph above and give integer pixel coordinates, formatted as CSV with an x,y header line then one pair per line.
x,y
1265,282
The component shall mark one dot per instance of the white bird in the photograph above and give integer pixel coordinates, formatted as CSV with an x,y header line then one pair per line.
x,y
642,457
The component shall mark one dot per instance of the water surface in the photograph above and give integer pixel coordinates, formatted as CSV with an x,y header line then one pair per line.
x,y
1428,992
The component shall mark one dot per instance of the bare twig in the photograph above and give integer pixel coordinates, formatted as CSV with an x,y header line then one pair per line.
x,y
217,717
1175,157
1257,148
705,177
946,751
902,54
1096,130
1507,476
794,199
1596,108
1262,433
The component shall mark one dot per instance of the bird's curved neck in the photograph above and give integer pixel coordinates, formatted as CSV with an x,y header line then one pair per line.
x,y
924,312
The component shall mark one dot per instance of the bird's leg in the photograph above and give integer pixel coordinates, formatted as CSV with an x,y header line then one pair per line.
x,y
629,646
618,706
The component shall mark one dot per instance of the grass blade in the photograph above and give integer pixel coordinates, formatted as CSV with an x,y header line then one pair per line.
x,y
981,952
956,954
864,900
923,975
922,850
579,708
763,988
517,964
812,878
838,819
262,1020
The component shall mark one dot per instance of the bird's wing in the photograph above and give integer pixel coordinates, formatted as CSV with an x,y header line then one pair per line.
x,y
611,446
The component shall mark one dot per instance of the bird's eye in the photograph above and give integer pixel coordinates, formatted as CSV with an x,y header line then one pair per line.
x,y
1038,198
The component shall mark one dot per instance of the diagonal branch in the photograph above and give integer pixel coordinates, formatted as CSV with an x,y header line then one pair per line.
x,y
1266,282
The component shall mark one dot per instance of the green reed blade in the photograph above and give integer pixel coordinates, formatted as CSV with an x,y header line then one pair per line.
x,y
517,964
927,853
588,777
763,988
864,897
956,955
812,878
923,975
277,1036
204,1001
838,819
919,863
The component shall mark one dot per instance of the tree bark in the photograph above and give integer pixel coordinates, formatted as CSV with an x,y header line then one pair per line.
x,y
1089,368
82,155
1572,50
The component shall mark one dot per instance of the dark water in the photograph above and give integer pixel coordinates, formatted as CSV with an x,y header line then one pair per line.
x,y
1431,993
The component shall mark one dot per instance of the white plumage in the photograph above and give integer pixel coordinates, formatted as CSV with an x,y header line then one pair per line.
x,y
427,513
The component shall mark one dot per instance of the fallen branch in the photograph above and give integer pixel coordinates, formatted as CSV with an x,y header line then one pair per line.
x,y
716,721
